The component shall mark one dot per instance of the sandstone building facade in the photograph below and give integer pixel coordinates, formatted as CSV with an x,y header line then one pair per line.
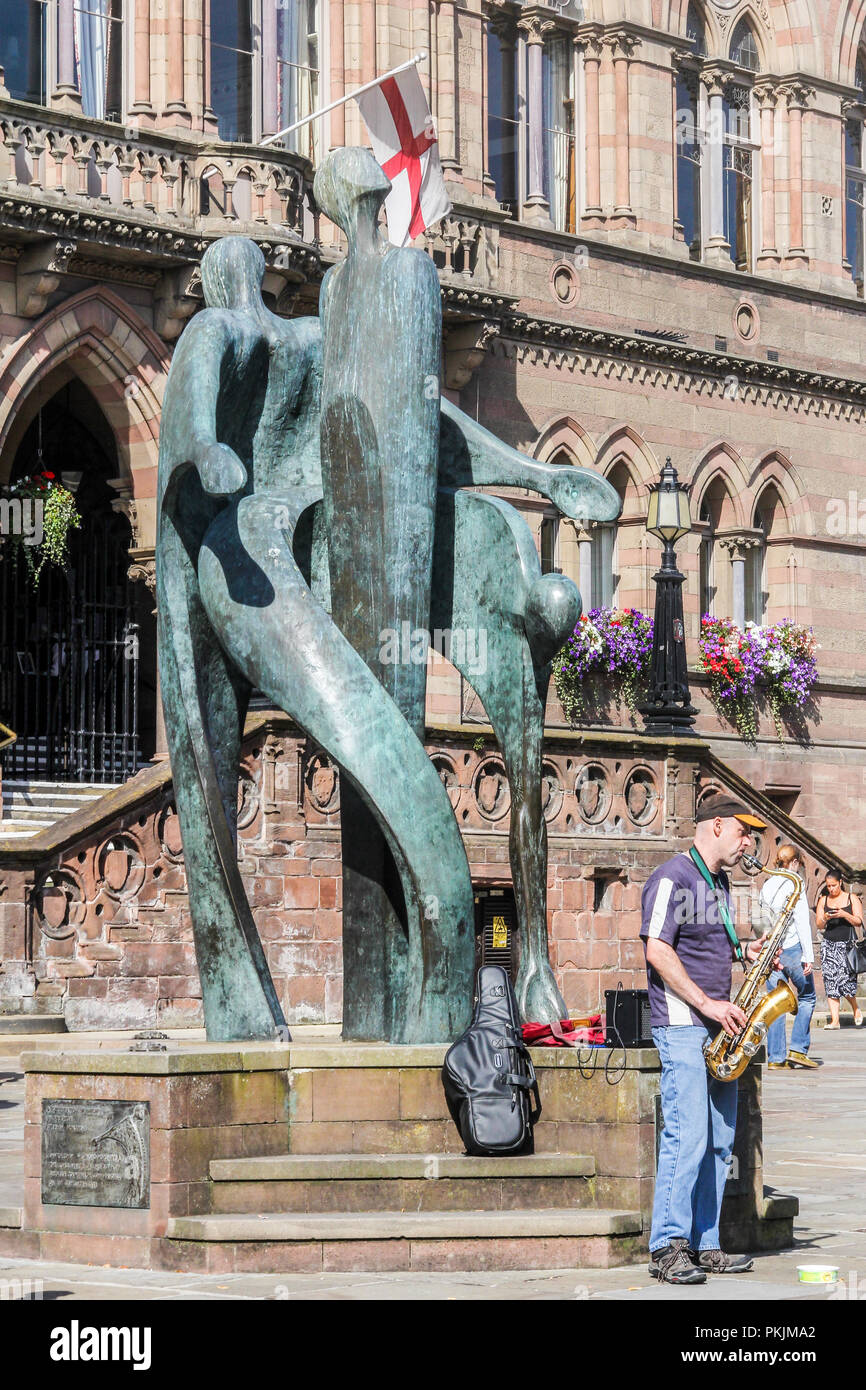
x,y
656,248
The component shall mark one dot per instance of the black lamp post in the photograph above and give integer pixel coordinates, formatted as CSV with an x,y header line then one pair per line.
x,y
668,709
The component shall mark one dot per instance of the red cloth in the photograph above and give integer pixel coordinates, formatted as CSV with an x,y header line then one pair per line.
x,y
565,1033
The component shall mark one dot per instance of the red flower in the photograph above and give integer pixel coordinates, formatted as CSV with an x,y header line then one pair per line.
x,y
45,474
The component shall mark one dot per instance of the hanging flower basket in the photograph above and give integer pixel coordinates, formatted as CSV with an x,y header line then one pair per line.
x,y
54,514
608,653
777,662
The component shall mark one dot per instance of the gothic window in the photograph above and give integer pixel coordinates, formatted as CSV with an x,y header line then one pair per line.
x,y
22,48
707,563
689,162
696,30
560,183
502,120
98,29
265,73
739,157
744,49
298,73
855,189
231,67
549,545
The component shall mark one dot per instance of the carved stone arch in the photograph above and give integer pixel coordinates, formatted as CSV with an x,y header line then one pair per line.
x,y
622,450
722,462
97,337
798,32
846,43
776,469
675,15
565,433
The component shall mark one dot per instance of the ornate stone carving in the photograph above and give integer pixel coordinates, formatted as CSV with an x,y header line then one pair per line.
x,y
490,786
58,904
593,793
448,776
641,796
322,783
37,275
466,346
120,867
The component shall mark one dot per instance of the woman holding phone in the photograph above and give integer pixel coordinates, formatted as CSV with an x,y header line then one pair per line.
x,y
837,913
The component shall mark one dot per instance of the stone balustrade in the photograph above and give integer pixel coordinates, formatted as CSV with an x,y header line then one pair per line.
x,y
144,186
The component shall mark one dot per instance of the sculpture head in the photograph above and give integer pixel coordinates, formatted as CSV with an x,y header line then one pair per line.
x,y
350,188
232,271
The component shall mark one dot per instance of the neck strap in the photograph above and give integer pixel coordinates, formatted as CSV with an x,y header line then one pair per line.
x,y
720,899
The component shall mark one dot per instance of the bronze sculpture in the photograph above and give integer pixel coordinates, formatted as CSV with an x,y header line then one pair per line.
x,y
312,500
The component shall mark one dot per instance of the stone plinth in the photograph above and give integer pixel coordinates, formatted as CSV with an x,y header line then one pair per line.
x,y
328,1155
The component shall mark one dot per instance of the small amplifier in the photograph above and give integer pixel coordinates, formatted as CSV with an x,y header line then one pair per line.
x,y
627,1018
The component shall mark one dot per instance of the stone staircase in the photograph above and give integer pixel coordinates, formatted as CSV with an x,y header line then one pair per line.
x,y
29,807
294,1212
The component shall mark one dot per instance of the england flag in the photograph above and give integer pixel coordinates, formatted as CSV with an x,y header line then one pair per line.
x,y
404,142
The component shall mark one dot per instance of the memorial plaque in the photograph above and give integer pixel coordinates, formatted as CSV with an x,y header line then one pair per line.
x,y
96,1153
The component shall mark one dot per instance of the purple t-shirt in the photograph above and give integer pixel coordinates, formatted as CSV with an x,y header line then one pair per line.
x,y
679,907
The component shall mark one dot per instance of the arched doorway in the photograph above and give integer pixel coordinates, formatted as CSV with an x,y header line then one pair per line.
x,y
76,663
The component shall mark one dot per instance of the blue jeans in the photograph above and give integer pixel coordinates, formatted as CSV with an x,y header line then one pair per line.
x,y
700,1116
792,969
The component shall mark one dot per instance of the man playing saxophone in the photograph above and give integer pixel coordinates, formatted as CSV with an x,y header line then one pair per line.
x,y
690,944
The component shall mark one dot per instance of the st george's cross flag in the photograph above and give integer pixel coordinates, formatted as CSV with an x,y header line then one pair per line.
x,y
404,143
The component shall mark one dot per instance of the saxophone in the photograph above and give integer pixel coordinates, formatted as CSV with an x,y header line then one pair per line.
x,y
727,1057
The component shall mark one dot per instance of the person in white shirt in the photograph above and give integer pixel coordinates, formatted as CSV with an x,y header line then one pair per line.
x,y
797,963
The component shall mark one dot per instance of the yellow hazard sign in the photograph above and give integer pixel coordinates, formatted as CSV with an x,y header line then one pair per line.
x,y
500,934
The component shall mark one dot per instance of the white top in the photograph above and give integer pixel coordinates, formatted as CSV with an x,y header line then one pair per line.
x,y
774,895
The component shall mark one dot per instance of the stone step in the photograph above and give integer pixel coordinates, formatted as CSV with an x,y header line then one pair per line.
x,y
31,1023
552,1238
351,1182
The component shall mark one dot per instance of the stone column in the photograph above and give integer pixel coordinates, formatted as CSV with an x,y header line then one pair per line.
x,y
448,118
584,546
622,46
717,250
797,97
536,209
766,97
209,119
175,106
737,549
141,104
66,93
590,39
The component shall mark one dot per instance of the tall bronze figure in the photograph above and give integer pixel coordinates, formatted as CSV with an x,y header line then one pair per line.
x,y
312,504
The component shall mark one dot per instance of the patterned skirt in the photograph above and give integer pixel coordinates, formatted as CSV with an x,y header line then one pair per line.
x,y
839,979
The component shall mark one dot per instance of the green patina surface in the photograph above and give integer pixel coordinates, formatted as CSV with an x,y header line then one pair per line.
x,y
311,504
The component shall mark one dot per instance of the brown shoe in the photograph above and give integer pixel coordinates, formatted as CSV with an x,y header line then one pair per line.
x,y
717,1262
673,1264
799,1059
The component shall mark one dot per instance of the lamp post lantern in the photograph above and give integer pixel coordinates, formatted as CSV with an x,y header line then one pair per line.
x,y
668,709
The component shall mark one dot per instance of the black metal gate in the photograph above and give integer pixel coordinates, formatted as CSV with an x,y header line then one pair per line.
x,y
69,661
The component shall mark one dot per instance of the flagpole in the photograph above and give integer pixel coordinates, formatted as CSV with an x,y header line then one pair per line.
x,y
341,101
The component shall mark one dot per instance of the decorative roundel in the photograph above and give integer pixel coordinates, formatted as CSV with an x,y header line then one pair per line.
x,y
564,283
552,791
59,904
593,793
322,783
641,796
492,794
120,867
747,322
